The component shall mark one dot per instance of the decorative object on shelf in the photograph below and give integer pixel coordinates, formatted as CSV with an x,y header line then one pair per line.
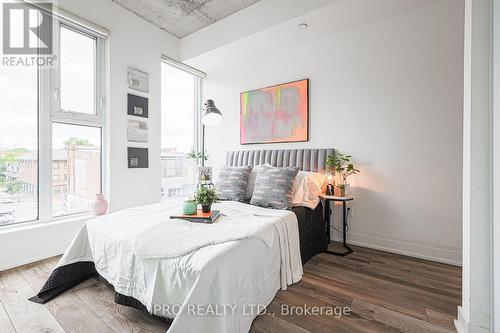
x,y
211,117
137,157
206,196
204,175
274,114
99,206
189,207
138,80
137,131
137,106
343,168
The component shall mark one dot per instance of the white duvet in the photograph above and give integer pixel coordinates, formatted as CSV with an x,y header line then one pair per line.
x,y
208,278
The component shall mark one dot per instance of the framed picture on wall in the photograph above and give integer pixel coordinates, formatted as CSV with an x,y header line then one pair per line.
x,y
137,131
137,106
138,80
275,114
138,158
204,174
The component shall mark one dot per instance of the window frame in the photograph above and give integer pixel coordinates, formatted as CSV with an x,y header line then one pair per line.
x,y
198,77
50,112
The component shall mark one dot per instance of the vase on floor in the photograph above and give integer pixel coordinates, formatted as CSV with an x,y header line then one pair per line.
x,y
99,206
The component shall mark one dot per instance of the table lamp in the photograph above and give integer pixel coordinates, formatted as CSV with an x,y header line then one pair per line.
x,y
330,179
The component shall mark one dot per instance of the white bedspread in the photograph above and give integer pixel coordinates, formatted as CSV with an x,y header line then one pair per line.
x,y
207,281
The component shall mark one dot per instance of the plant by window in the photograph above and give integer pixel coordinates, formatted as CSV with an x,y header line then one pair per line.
x,y
206,196
341,164
197,155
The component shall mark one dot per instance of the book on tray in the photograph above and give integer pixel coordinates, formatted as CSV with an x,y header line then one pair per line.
x,y
199,217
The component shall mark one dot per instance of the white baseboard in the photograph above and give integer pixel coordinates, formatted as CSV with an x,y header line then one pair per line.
x,y
463,326
34,254
26,244
405,248
460,322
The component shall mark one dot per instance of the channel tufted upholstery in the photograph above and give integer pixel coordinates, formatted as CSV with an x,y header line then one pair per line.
x,y
305,159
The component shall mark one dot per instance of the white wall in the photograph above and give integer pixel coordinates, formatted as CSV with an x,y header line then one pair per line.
x,y
475,314
496,166
389,92
133,42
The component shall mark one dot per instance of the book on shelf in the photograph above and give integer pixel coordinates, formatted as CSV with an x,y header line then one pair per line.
x,y
199,217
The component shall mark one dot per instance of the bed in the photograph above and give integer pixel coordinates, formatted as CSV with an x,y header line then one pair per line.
x,y
217,283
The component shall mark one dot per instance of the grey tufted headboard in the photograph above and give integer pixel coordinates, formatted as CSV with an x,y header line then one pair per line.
x,y
306,159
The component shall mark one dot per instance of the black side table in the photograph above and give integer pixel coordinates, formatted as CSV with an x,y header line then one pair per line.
x,y
328,200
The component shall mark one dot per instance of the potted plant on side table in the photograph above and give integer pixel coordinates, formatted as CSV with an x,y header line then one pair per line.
x,y
343,168
206,196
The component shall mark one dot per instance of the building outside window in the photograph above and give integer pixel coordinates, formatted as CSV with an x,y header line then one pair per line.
x,y
179,125
51,129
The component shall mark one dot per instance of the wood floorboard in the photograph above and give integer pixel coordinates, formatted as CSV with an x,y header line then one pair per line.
x,y
68,309
5,323
24,315
119,318
383,292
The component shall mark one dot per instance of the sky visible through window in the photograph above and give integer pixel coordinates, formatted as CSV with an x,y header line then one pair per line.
x,y
177,109
76,150
177,132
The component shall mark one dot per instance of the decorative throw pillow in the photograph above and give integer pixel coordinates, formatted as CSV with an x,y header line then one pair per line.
x,y
253,178
232,183
273,188
307,189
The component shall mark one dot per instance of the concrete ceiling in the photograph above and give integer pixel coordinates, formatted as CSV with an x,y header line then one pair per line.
x,y
183,17
337,16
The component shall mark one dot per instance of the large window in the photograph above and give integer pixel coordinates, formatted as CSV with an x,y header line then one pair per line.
x,y
180,109
51,129
18,144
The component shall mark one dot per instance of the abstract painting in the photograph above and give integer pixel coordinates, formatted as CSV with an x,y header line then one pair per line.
x,y
275,114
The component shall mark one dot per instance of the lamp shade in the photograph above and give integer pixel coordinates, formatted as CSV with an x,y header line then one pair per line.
x,y
212,115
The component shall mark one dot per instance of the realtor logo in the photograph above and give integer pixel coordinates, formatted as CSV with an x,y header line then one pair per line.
x,y
27,29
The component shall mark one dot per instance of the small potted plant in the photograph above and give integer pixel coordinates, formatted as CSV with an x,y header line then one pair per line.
x,y
343,168
206,196
197,156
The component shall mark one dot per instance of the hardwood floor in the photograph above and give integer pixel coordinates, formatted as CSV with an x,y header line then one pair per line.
x,y
378,292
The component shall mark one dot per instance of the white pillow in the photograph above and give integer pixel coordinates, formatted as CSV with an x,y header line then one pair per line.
x,y
307,189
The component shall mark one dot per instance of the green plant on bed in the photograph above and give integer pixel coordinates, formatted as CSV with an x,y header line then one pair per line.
x,y
206,196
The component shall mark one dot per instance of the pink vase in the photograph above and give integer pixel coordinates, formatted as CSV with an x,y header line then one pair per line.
x,y
100,205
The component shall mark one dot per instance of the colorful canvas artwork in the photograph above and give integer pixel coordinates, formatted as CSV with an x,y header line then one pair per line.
x,y
275,114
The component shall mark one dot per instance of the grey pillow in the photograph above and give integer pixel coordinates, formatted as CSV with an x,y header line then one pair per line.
x,y
232,183
253,178
273,188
